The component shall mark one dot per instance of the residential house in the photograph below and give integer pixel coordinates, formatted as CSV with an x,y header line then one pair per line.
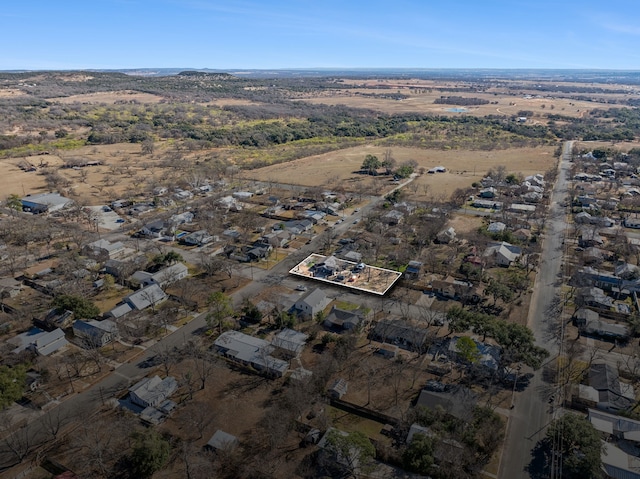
x,y
532,197
257,253
95,334
168,275
583,218
232,234
155,229
104,249
488,204
522,234
589,236
605,390
446,236
502,254
297,227
392,218
222,441
242,195
342,320
400,333
183,195
328,267
536,179
627,271
290,342
197,238
458,401
312,302
250,351
278,239
44,203
594,297
496,227
589,322
619,427
414,269
119,311
315,216
353,256
230,203
522,208
452,288
619,464
150,295
10,288
489,192
150,392
41,342
488,354
55,319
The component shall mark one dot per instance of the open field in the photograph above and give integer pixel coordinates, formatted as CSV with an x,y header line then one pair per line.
x,y
123,166
421,94
110,97
463,167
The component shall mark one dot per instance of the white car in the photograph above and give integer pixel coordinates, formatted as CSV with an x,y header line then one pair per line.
x,y
301,287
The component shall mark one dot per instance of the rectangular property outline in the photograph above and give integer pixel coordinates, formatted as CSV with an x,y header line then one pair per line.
x,y
361,273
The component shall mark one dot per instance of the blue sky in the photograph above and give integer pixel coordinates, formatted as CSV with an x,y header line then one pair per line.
x,y
73,34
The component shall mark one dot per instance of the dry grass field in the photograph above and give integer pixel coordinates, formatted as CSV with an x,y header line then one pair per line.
x,y
464,167
123,167
422,93
109,97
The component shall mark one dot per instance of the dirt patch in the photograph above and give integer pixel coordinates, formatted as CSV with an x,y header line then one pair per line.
x,y
10,93
464,224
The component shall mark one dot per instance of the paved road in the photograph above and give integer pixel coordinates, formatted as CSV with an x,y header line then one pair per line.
x,y
531,413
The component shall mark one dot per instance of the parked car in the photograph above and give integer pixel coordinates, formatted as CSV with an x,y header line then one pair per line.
x,y
301,287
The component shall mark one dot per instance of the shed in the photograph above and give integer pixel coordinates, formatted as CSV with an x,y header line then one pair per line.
x,y
222,441
338,388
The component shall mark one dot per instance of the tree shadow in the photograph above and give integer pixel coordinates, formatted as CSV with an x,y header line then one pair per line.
x,y
538,467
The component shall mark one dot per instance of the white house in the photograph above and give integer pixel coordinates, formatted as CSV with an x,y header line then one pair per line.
x,y
312,302
152,391
503,253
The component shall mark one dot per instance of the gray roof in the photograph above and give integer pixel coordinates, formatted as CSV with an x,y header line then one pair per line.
x,y
145,297
95,329
119,310
290,340
170,273
48,199
50,342
249,349
222,440
458,402
154,390
342,318
314,298
106,245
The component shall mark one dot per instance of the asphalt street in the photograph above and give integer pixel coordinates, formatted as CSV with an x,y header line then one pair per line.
x,y
532,411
